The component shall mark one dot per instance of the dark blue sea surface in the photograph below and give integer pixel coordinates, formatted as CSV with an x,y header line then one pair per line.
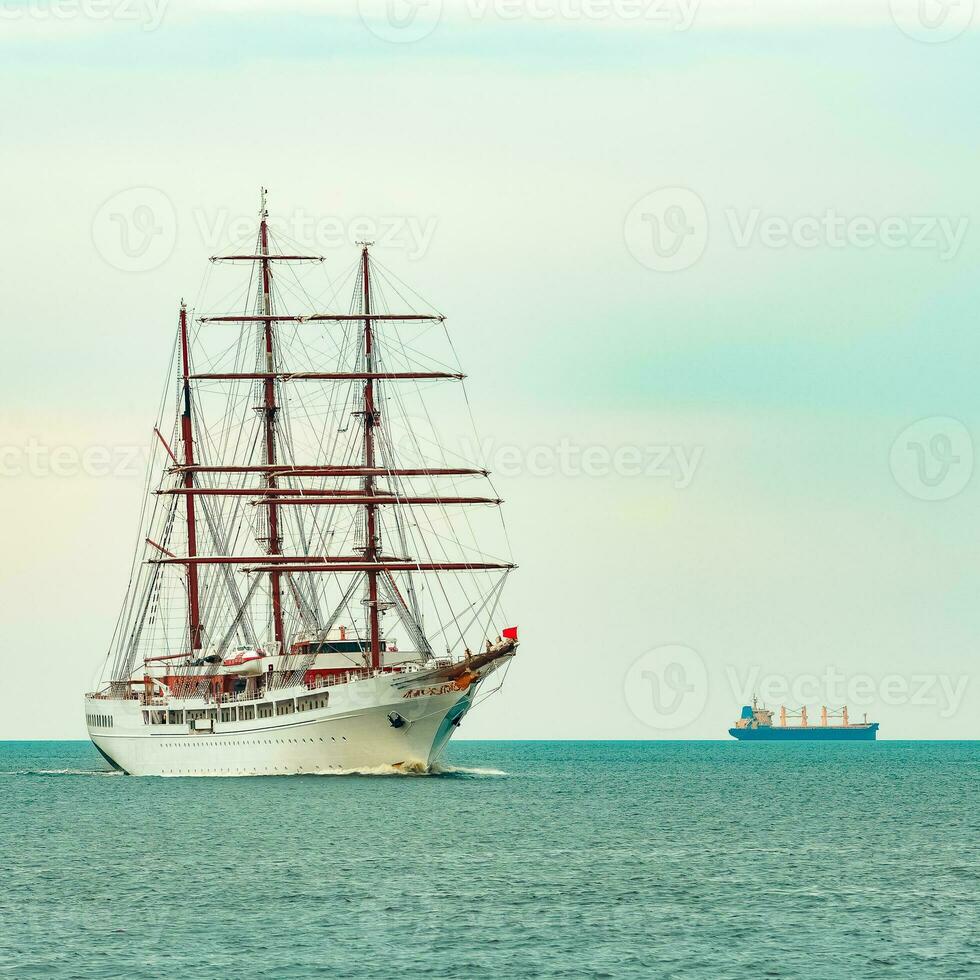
x,y
525,859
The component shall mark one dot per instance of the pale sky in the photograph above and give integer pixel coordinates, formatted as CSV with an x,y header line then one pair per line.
x,y
704,267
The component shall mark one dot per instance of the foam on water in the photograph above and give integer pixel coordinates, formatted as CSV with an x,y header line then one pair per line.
x,y
407,770
418,769
60,772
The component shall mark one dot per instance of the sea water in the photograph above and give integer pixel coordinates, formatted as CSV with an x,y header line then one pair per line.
x,y
521,859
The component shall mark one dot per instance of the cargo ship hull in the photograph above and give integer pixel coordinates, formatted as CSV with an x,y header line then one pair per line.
x,y
853,733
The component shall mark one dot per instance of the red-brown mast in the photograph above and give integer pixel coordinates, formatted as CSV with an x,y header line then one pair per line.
x,y
274,545
187,434
371,549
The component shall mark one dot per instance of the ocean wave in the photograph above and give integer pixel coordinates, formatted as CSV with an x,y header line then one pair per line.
x,y
419,769
408,770
60,772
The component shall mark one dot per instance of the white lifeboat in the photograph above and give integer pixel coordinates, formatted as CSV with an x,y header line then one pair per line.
x,y
244,662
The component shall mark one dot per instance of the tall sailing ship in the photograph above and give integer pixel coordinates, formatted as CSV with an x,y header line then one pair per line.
x,y
310,593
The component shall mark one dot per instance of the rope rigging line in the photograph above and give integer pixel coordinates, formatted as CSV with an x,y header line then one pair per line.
x,y
317,422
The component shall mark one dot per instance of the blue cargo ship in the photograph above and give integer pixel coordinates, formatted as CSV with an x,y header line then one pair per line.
x,y
755,725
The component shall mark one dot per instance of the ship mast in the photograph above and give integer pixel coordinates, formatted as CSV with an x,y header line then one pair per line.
x,y
371,549
187,434
367,556
270,410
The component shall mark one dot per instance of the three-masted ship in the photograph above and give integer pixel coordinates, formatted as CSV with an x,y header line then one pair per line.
x,y
310,593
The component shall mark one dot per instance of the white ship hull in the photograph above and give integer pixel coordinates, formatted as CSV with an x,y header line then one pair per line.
x,y
352,731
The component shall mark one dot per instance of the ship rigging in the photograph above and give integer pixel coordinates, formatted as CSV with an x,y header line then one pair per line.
x,y
306,510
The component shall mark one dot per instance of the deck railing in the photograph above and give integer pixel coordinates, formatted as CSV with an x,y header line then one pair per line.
x,y
270,690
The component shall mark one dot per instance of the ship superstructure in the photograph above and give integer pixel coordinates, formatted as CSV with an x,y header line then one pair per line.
x,y
311,592
756,724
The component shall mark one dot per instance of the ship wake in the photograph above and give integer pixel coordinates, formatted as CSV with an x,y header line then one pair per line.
x,y
61,772
415,769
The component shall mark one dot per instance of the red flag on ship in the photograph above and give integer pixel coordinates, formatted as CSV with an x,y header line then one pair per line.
x,y
510,633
